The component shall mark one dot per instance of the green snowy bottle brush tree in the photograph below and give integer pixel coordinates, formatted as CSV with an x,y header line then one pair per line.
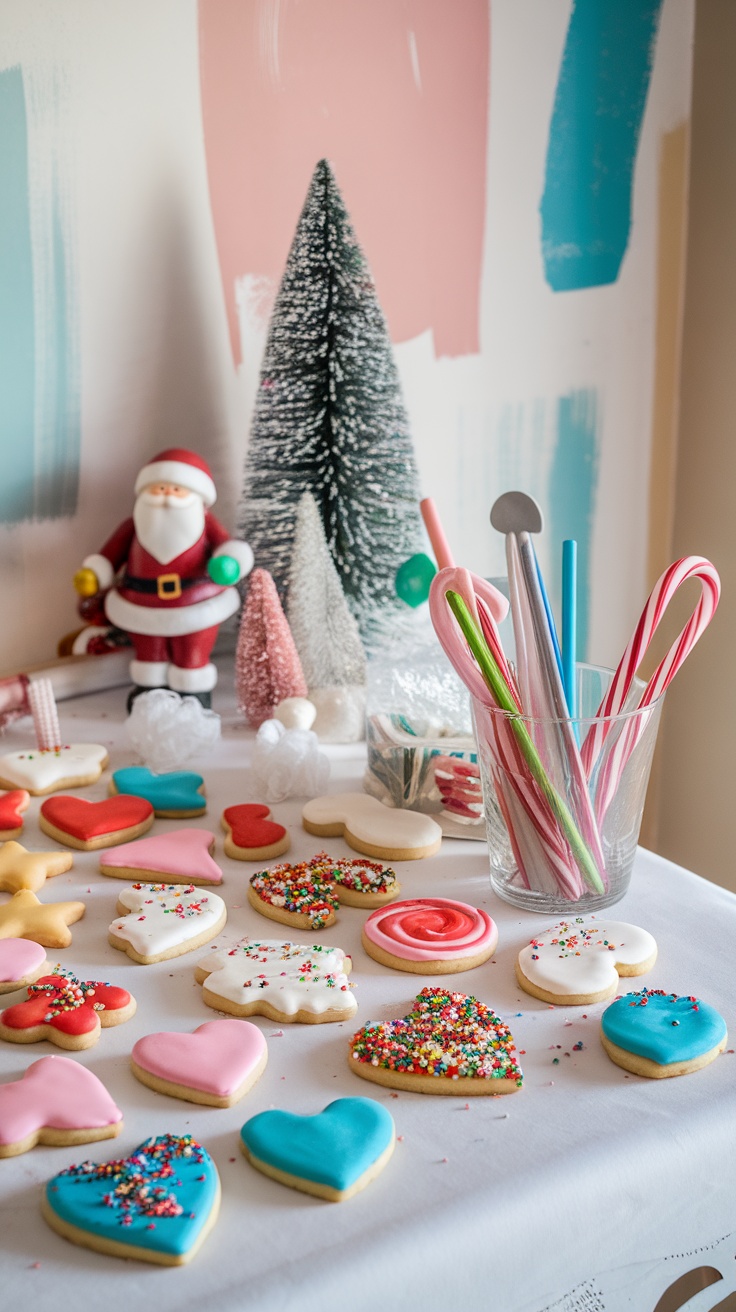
x,y
330,420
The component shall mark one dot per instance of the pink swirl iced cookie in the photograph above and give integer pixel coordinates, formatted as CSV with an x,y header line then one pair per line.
x,y
158,921
49,769
385,832
279,979
183,856
579,961
12,806
68,1011
430,936
57,1102
448,1043
214,1066
21,962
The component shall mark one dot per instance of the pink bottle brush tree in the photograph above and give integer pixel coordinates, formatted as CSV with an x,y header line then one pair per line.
x,y
267,665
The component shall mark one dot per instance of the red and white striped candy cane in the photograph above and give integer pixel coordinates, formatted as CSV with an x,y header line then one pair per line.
x,y
615,699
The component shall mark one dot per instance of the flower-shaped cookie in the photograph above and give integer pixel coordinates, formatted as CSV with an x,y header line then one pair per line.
x,y
68,1011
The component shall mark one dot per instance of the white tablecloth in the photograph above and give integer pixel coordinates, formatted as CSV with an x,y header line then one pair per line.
x,y
589,1189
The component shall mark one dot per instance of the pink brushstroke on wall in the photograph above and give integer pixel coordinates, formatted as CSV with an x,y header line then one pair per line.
x,y
395,94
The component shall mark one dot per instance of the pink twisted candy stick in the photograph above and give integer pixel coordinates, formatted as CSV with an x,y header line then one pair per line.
x,y
615,699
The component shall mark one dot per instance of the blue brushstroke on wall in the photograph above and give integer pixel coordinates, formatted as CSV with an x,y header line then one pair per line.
x,y
571,495
17,315
593,140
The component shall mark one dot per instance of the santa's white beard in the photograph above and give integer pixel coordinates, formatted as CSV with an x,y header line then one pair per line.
x,y
167,526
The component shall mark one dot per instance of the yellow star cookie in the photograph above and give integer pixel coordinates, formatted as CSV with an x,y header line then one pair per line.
x,y
25,917
22,869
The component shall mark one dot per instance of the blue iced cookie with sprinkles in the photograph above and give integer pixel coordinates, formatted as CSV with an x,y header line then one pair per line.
x,y
331,1155
158,1205
175,795
659,1034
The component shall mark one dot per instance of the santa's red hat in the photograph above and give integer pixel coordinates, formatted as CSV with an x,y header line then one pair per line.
x,y
175,465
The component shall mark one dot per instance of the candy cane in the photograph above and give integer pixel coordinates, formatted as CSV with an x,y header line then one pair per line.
x,y
616,697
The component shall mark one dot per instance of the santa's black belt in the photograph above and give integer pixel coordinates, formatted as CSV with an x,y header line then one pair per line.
x,y
167,586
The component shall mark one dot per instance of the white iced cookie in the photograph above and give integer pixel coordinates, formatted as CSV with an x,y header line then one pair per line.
x,y
279,979
50,770
157,921
579,961
370,827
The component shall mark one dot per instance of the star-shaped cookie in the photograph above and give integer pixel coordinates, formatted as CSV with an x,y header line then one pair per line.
x,y
20,868
25,917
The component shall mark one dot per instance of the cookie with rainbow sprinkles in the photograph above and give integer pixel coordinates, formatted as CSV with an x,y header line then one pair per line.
x,y
307,895
659,1034
449,1043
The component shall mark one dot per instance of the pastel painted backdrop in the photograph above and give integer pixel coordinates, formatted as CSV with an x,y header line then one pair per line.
x,y
516,173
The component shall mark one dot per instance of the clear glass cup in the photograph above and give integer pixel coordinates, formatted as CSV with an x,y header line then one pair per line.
x,y
546,847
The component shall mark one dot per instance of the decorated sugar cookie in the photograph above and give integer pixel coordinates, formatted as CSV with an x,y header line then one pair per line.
x,y
216,1065
282,980
448,1043
370,827
183,856
174,796
430,936
158,1205
659,1034
579,961
22,869
57,1102
307,895
75,822
332,1155
48,924
158,921
21,962
50,769
12,807
68,1011
251,833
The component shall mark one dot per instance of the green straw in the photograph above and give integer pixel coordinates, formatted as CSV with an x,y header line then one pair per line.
x,y
502,695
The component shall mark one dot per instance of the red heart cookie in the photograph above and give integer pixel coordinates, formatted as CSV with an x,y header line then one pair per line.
x,y
448,1043
251,834
12,806
87,825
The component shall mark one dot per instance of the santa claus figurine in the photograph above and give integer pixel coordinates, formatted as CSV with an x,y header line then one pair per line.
x,y
179,565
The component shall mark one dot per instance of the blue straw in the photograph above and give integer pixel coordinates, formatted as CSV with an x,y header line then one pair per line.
x,y
569,622
550,621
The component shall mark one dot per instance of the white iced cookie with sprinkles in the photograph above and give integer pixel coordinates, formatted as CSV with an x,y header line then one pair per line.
x,y
579,961
277,978
158,921
51,770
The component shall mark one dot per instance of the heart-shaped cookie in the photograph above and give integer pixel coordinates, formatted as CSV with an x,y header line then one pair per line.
x,y
251,833
173,796
659,1034
448,1043
75,822
57,1102
68,1011
216,1065
332,1155
21,962
578,961
158,1205
46,769
12,806
183,856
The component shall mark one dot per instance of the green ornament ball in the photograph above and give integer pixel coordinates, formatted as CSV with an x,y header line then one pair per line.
x,y
413,579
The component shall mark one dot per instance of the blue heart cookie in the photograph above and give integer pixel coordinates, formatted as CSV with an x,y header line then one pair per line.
x,y
333,1154
171,795
157,1205
659,1034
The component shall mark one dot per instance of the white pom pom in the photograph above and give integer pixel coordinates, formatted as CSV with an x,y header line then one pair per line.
x,y
166,730
340,713
296,712
288,763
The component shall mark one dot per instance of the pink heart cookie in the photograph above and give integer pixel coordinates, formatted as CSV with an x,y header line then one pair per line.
x,y
216,1065
56,1102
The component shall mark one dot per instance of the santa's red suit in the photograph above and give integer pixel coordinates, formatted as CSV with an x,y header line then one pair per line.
x,y
172,609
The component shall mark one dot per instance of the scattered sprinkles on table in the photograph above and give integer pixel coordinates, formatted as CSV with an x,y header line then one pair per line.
x,y
445,1034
